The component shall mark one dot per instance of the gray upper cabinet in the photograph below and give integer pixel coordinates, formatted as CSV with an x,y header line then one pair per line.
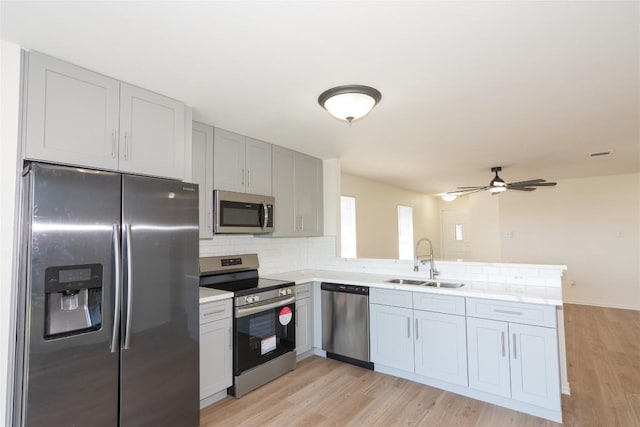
x,y
297,187
202,174
152,133
241,164
78,117
72,114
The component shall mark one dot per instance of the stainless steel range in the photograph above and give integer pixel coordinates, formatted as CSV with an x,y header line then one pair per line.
x,y
264,324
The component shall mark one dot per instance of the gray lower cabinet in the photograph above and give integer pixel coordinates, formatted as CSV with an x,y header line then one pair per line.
x,y
427,343
304,318
202,174
392,336
78,117
297,187
241,164
498,351
216,340
514,360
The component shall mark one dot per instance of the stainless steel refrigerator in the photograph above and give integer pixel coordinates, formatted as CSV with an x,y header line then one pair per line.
x,y
108,323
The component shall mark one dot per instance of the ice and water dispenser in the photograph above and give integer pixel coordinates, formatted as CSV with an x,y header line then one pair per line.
x,y
73,300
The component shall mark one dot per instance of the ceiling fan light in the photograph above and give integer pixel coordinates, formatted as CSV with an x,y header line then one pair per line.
x,y
497,189
448,197
350,102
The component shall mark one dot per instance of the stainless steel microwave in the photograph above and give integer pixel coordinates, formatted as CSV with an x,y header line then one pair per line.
x,y
240,213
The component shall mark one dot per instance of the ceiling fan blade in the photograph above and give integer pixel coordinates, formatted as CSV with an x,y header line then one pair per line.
x,y
471,188
522,188
530,181
467,191
534,184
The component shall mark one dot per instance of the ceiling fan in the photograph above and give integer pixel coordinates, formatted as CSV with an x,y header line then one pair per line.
x,y
498,185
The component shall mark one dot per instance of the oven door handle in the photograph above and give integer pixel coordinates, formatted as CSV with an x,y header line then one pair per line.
x,y
258,307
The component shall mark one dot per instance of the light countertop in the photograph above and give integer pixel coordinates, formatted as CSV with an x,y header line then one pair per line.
x,y
210,295
498,291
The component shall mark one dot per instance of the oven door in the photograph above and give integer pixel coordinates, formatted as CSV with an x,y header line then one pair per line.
x,y
263,332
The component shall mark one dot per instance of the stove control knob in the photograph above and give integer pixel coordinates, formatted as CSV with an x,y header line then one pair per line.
x,y
248,299
256,298
289,291
282,292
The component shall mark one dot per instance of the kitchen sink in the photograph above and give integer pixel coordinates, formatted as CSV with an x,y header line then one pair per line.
x,y
444,284
434,284
407,282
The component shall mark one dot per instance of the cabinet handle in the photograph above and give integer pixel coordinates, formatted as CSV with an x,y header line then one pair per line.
x,y
113,143
249,177
126,146
408,327
502,339
515,353
210,220
302,223
230,339
515,313
416,329
242,177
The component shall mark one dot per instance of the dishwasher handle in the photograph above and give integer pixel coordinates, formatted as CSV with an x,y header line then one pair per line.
x,y
347,289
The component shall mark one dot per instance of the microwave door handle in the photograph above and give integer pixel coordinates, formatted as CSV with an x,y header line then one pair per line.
x,y
265,216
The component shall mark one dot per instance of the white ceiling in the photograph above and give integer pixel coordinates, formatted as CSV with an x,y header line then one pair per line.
x,y
531,86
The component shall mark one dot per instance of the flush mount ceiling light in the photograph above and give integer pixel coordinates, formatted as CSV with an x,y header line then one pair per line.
x,y
449,197
350,102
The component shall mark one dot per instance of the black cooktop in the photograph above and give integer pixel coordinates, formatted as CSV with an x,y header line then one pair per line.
x,y
242,282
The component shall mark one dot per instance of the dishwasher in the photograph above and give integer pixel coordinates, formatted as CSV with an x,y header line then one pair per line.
x,y
345,323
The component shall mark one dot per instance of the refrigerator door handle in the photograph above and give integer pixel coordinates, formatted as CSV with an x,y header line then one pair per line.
x,y
118,286
127,333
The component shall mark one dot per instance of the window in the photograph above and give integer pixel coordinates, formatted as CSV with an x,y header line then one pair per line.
x,y
347,227
458,232
405,232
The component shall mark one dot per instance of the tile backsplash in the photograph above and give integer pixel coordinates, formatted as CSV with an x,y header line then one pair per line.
x,y
279,255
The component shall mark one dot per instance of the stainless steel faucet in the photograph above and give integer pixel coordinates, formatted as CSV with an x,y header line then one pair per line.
x,y
423,259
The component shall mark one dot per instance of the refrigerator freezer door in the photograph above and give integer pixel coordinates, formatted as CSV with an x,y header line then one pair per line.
x,y
159,357
71,377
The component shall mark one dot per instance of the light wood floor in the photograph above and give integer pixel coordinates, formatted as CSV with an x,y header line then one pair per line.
x,y
603,352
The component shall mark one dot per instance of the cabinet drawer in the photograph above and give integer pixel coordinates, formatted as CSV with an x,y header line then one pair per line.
x,y
439,303
216,310
517,312
390,297
303,291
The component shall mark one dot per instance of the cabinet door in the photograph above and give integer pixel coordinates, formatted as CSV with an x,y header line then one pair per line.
x,y
441,346
304,327
202,174
71,114
392,336
228,161
283,190
215,357
535,377
152,133
258,167
488,342
308,195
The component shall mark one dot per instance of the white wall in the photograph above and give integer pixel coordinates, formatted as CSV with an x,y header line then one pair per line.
x,y
9,172
592,225
377,216
484,216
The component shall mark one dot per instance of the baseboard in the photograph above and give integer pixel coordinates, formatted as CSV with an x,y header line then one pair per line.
x,y
213,398
619,306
